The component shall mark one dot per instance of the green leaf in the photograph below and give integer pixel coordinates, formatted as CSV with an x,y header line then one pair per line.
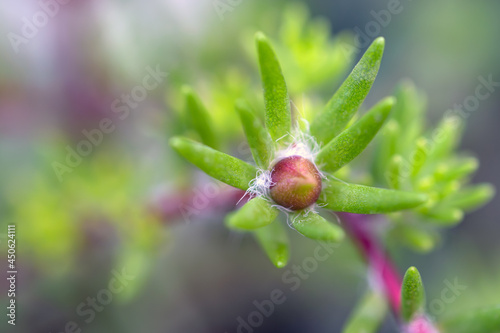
x,y
385,150
258,137
274,240
445,215
457,170
419,156
471,198
223,167
278,114
254,214
314,226
199,118
368,315
416,238
349,97
360,199
445,138
352,141
395,175
409,113
485,320
412,294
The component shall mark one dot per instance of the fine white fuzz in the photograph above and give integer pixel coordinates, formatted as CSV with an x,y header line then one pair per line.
x,y
303,145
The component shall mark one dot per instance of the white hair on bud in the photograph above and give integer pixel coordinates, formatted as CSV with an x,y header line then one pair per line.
x,y
303,145
260,185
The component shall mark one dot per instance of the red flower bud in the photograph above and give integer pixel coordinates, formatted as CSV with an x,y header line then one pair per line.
x,y
296,183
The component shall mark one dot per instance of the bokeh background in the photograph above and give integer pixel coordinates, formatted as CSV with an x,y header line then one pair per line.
x,y
118,207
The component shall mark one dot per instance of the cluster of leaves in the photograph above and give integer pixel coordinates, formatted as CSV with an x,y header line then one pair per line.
x,y
339,142
306,48
412,158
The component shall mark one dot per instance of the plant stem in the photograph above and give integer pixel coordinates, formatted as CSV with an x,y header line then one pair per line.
x,y
382,272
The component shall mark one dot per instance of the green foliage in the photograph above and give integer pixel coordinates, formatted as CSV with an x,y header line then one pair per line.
x,y
314,226
225,168
351,142
258,137
412,295
274,240
257,213
199,118
349,97
360,199
316,58
346,145
408,157
278,117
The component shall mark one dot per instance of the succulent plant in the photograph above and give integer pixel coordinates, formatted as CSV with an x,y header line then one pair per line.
x,y
295,165
301,168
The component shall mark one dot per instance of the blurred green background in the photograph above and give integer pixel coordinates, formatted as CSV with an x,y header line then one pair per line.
x,y
117,208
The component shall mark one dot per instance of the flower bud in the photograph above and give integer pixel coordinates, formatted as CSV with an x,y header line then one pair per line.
x,y
296,183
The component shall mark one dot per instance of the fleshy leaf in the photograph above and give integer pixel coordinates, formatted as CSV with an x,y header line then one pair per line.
x,y
445,215
418,239
408,112
199,118
395,175
223,167
446,137
353,140
258,138
412,294
470,198
316,227
274,240
458,170
278,114
368,315
254,214
478,321
386,148
419,156
360,199
349,97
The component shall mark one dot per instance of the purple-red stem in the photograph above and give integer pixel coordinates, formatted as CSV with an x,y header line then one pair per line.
x,y
383,273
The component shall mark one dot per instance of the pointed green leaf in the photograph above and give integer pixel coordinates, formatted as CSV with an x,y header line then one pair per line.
x,y
223,167
457,170
274,240
471,198
409,113
352,141
349,97
278,114
444,215
416,238
199,118
419,156
412,294
360,199
385,149
485,320
254,214
258,137
395,176
368,315
314,226
445,137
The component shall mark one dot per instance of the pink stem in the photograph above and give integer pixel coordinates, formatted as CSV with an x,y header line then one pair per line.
x,y
383,273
